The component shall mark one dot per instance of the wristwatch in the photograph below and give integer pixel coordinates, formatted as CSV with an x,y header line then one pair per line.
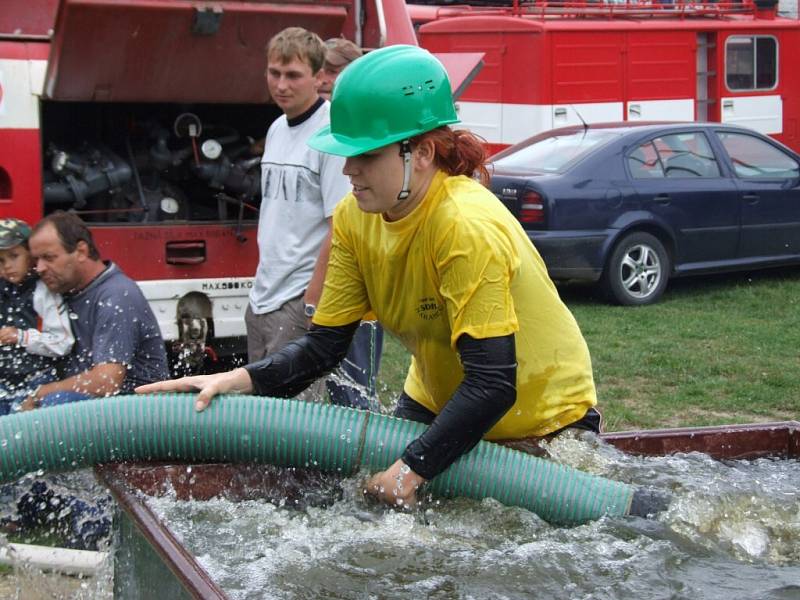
x,y
35,395
309,310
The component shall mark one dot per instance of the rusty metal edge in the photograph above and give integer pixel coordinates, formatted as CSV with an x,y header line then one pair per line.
x,y
183,565
709,440
722,441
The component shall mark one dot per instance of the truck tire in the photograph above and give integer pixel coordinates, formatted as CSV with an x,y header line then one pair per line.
x,y
637,270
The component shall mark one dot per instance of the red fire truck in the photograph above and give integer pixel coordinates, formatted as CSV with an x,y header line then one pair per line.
x,y
140,116
559,62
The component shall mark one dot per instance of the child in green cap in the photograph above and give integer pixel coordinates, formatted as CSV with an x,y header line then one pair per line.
x,y
34,326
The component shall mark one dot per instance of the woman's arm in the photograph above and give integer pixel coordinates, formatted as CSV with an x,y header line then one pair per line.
x,y
284,373
486,393
299,363
208,386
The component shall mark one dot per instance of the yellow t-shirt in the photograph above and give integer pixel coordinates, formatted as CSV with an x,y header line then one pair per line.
x,y
460,263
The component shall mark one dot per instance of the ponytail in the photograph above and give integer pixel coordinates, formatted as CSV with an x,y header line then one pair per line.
x,y
457,151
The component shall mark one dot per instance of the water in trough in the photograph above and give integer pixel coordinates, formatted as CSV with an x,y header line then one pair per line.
x,y
732,531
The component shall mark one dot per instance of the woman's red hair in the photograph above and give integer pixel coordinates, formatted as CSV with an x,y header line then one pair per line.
x,y
457,152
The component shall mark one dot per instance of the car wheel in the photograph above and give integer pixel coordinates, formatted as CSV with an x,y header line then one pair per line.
x,y
637,270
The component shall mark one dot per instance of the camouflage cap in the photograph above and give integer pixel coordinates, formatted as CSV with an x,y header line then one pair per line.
x,y
13,232
340,52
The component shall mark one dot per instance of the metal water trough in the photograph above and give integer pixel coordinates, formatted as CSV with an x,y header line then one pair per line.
x,y
151,562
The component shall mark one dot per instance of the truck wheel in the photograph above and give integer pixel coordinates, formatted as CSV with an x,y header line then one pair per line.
x,y
637,271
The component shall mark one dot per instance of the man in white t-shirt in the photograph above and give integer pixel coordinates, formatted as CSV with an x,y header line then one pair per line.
x,y
300,188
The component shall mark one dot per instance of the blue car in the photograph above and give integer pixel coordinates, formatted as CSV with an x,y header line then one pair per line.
x,y
631,205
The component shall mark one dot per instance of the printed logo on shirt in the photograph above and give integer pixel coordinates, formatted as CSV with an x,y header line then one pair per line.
x,y
291,183
428,309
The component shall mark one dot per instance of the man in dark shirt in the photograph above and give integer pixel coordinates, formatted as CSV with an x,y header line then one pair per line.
x,y
118,345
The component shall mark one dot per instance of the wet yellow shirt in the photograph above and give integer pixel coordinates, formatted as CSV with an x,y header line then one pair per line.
x,y
460,263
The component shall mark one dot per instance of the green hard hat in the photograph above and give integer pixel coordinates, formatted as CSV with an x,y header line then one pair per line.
x,y
13,232
387,96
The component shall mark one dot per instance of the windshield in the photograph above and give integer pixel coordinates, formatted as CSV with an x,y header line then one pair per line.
x,y
553,154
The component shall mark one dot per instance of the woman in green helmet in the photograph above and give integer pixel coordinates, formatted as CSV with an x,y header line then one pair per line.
x,y
435,256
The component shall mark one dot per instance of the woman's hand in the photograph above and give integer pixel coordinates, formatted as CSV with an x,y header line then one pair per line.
x,y
397,485
236,381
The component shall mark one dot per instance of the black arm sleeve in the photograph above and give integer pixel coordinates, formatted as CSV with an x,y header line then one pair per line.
x,y
299,363
487,392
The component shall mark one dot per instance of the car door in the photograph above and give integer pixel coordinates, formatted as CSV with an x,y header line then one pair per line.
x,y
679,180
768,179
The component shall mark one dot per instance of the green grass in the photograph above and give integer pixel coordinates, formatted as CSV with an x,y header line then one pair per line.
x,y
716,349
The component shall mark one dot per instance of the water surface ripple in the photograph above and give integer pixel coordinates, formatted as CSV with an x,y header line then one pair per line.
x,y
732,532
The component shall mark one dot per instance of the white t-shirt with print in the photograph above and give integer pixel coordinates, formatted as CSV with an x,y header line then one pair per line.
x,y
300,188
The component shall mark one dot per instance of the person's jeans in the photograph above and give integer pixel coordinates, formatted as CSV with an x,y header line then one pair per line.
x,y
355,382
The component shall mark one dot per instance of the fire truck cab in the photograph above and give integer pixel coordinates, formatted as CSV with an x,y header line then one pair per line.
x,y
141,116
554,63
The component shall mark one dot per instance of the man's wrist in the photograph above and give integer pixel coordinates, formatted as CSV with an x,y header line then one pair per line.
x,y
309,309
34,395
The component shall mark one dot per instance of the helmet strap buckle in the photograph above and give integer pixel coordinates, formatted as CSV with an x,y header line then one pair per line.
x,y
405,152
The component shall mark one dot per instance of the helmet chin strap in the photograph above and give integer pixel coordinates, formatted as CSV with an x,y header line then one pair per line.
x,y
405,152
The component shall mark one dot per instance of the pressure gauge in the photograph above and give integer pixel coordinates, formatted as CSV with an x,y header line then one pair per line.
x,y
211,149
187,125
170,205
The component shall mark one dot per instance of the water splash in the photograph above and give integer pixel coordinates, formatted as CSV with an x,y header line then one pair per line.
x,y
57,513
733,529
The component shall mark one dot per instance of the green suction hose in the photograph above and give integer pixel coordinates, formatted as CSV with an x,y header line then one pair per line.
x,y
289,433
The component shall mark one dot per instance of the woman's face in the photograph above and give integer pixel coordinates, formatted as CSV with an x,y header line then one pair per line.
x,y
377,178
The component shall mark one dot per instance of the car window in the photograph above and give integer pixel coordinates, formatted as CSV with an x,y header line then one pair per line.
x,y
754,158
555,153
677,155
644,162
